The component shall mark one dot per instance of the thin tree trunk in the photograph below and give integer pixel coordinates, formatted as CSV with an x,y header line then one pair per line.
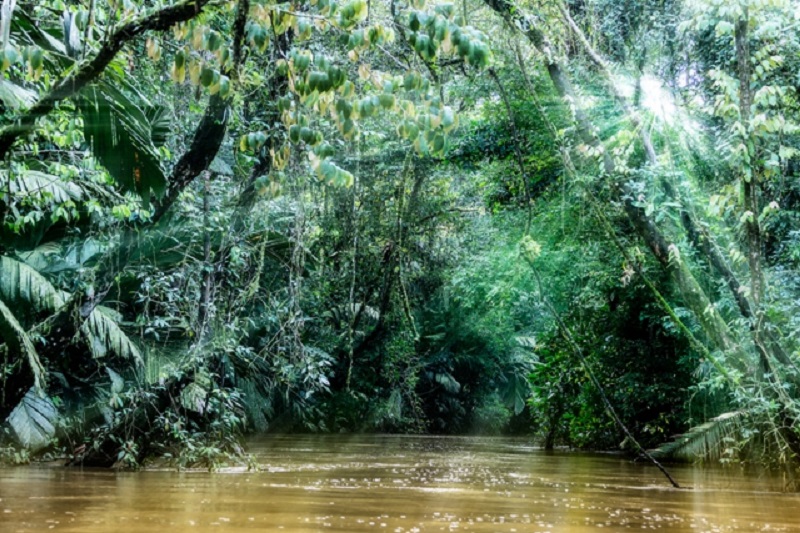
x,y
208,275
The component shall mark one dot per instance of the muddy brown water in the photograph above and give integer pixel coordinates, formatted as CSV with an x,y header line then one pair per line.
x,y
397,484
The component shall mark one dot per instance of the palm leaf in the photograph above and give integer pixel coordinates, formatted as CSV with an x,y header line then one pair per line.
x,y
14,96
25,288
706,441
21,286
526,342
514,392
160,124
18,340
34,420
103,335
39,186
53,258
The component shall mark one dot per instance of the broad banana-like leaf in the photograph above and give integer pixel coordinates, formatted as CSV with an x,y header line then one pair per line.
x,y
34,420
14,96
22,287
25,288
515,391
29,32
121,137
53,258
18,340
40,257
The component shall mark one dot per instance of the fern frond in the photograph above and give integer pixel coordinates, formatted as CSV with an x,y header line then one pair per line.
x,y
706,441
526,342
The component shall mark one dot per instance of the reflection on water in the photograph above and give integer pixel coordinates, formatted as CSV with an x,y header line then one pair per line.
x,y
396,484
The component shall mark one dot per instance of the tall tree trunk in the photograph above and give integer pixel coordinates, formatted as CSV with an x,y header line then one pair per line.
x,y
749,181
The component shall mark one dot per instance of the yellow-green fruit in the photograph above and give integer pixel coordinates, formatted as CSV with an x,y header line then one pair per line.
x,y
206,76
10,56
294,133
464,47
180,59
438,143
224,86
214,41
324,150
282,67
455,36
307,134
348,127
386,101
36,58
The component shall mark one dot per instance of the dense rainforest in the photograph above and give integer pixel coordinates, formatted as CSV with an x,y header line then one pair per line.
x,y
577,220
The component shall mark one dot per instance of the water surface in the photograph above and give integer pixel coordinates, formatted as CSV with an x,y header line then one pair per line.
x,y
397,484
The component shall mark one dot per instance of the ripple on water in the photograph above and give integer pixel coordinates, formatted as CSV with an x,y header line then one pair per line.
x,y
400,484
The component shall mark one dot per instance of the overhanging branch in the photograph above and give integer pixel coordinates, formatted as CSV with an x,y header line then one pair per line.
x,y
86,71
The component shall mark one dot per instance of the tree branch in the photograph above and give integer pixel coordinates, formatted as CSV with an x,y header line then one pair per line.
x,y
86,71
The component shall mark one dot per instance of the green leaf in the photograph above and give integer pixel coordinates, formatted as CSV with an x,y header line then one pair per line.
x,y
515,391
40,186
117,383
123,138
103,334
34,420
15,97
193,398
703,441
23,287
19,342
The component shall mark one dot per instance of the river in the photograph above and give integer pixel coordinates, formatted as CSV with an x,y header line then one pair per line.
x,y
396,484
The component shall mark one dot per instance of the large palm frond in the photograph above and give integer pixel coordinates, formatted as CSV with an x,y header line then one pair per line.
x,y
103,335
706,441
25,288
39,186
22,287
